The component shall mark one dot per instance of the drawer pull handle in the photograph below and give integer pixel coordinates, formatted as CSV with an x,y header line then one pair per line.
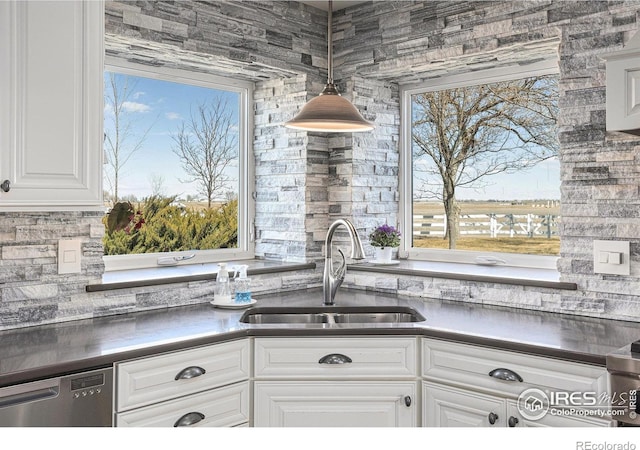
x,y
190,372
407,400
5,186
513,421
505,374
335,358
493,418
189,419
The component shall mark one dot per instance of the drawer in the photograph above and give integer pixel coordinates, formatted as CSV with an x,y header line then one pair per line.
x,y
469,366
361,357
223,407
152,380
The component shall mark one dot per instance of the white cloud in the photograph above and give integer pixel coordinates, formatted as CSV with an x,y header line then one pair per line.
x,y
135,107
173,116
138,94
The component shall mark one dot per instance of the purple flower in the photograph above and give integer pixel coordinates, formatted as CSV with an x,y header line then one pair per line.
x,y
385,236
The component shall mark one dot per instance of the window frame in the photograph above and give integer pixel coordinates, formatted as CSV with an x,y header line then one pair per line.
x,y
406,251
246,166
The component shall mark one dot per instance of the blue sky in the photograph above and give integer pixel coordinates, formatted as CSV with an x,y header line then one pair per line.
x,y
161,106
539,182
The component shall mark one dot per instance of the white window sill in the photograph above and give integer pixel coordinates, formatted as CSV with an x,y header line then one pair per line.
x,y
549,278
123,279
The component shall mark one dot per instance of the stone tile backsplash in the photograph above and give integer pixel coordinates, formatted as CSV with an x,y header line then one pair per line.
x,y
305,180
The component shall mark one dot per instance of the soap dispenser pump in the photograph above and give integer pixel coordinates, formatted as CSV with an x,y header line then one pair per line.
x,y
243,285
223,290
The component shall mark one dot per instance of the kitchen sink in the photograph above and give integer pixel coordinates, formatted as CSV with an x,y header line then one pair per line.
x,y
331,315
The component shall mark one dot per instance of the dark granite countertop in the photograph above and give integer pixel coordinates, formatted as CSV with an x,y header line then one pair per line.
x,y
49,350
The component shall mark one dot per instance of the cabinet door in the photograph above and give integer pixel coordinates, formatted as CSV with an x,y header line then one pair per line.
x,y
334,404
444,406
222,407
51,54
623,95
515,419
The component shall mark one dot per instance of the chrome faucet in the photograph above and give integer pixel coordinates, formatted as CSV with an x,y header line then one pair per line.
x,y
333,278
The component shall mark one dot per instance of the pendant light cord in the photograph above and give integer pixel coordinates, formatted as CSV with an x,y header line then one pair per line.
x,y
330,44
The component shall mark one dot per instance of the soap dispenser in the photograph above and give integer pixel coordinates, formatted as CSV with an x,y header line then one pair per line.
x,y
243,285
223,290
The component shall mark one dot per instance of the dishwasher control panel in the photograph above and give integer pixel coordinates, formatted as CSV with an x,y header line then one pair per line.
x,y
87,385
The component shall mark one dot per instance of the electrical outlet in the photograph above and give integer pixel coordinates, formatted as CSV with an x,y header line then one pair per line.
x,y
611,257
69,252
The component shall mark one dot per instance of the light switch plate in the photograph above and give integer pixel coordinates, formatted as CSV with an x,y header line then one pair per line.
x,y
618,257
69,253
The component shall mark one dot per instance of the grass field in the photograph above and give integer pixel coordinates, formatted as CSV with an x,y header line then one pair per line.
x,y
530,246
538,245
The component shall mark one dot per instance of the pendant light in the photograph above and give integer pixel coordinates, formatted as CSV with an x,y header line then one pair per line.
x,y
329,112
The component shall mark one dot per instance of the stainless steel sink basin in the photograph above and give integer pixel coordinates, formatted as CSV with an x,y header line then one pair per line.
x,y
332,315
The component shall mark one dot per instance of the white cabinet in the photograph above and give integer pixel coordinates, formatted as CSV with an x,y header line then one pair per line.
x,y
278,358
334,404
446,406
623,88
223,407
51,91
467,365
204,386
468,385
347,382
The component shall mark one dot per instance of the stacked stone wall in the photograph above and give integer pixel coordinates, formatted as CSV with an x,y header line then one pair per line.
x,y
306,180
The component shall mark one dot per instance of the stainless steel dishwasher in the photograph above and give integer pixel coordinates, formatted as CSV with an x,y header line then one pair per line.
x,y
77,400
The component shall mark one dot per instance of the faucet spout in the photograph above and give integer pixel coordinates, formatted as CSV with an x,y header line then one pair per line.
x,y
333,278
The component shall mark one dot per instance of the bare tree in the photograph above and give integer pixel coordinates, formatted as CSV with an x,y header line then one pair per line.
x,y
463,135
207,145
122,139
157,182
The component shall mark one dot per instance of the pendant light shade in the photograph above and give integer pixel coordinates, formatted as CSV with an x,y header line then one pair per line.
x,y
329,112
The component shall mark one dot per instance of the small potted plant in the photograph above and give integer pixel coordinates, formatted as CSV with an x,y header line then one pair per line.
x,y
384,239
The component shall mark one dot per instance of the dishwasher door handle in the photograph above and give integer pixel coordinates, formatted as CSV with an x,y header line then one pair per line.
x,y
29,396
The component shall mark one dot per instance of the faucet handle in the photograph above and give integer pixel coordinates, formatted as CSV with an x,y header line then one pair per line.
x,y
341,271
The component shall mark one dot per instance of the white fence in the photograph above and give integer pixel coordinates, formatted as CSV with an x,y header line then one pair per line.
x,y
493,225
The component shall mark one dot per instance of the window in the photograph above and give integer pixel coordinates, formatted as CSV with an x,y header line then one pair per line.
x,y
480,176
176,167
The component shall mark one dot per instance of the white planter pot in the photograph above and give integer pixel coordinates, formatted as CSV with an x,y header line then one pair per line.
x,y
383,254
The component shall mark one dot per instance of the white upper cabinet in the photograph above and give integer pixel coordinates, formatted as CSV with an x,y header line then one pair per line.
x,y
623,88
51,101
